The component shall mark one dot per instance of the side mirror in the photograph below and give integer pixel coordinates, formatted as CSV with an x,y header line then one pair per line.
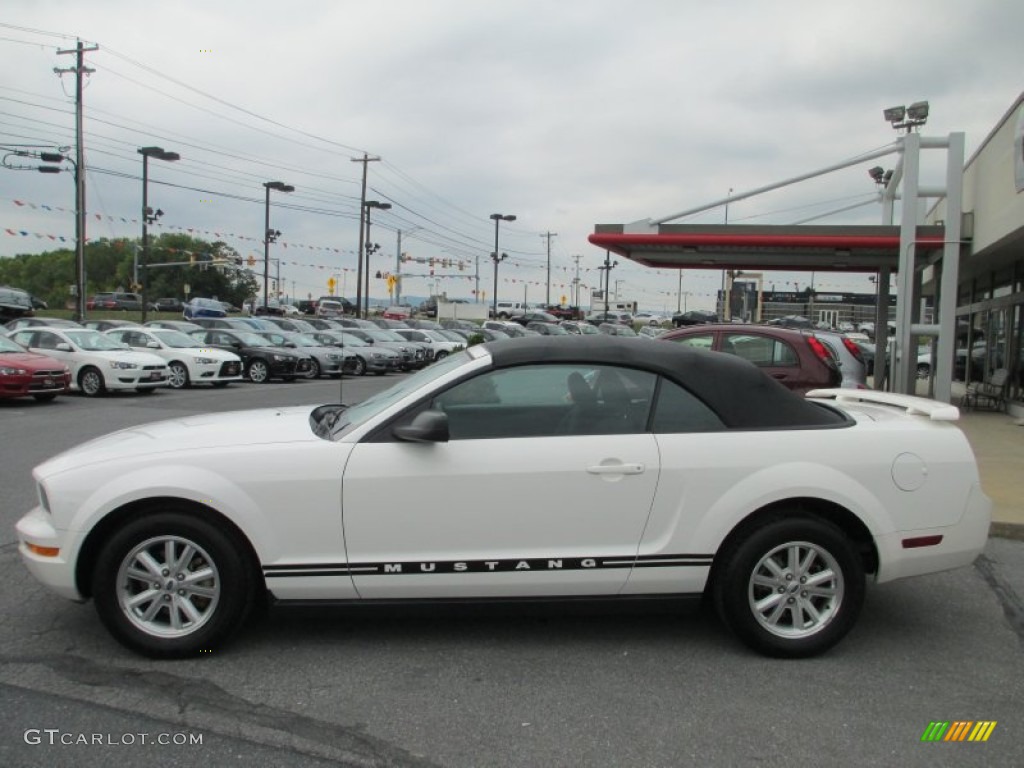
x,y
427,427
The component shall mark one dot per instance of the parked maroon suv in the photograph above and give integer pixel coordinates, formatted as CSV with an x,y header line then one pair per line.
x,y
797,360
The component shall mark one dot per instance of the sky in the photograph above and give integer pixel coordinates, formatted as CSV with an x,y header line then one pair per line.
x,y
565,114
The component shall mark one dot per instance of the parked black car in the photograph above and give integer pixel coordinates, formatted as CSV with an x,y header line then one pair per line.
x,y
169,305
694,317
14,303
261,360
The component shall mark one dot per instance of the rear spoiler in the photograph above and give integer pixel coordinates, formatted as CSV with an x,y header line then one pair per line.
x,y
914,406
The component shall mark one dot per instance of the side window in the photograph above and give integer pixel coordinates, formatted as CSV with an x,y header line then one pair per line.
x,y
46,340
698,340
760,350
677,410
548,401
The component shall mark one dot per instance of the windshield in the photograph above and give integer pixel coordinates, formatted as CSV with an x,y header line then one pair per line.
x,y
382,335
175,339
250,339
367,409
92,341
208,303
6,345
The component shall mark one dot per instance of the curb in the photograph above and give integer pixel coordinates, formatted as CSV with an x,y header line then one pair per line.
x,y
1007,531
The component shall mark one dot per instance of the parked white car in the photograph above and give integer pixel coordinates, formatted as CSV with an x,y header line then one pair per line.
x,y
585,466
435,341
188,362
97,362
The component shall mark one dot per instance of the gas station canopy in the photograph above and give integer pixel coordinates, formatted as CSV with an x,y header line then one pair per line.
x,y
791,248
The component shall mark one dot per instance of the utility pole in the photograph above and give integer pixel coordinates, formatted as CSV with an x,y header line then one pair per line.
x,y
365,160
576,282
398,271
547,296
79,69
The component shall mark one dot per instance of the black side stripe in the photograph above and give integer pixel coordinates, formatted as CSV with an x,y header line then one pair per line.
x,y
504,565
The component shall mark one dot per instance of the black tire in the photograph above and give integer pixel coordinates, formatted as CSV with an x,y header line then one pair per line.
x,y
314,369
923,369
216,604
258,371
45,397
441,354
90,382
791,620
177,375
360,369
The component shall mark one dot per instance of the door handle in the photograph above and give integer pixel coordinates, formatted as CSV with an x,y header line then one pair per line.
x,y
616,469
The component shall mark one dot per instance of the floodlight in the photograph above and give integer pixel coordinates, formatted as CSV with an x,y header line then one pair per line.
x,y
895,114
918,111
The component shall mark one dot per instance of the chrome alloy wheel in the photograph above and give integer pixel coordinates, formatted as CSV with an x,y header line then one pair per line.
x,y
795,590
168,587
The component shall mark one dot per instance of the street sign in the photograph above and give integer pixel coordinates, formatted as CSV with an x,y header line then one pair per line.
x,y
331,284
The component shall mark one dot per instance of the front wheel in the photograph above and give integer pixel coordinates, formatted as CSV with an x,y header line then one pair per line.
x,y
314,370
90,382
259,372
169,585
792,588
177,375
360,368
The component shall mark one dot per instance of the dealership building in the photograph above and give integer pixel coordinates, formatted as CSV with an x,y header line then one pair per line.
x,y
958,269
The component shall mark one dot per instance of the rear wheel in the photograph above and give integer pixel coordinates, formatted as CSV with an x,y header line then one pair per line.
x,y
923,369
90,382
791,588
169,585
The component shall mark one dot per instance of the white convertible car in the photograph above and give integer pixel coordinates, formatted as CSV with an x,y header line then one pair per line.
x,y
541,468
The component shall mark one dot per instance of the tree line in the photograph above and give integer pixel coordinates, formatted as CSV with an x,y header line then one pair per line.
x,y
110,266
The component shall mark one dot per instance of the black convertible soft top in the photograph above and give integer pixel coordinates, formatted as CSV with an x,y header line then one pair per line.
x,y
742,395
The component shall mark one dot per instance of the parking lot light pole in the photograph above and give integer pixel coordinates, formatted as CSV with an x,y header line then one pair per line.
x,y
148,215
269,235
497,257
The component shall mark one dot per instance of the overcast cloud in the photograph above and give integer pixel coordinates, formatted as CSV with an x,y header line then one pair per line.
x,y
567,114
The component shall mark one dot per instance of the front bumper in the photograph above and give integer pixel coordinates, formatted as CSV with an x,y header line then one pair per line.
x,y
55,573
144,378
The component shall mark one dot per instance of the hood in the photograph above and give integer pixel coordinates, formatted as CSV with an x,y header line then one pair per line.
x,y
31,360
192,433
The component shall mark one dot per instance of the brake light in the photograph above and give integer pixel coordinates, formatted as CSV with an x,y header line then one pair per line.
x,y
853,349
820,350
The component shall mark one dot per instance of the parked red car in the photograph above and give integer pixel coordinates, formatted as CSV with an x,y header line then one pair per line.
x,y
24,373
798,360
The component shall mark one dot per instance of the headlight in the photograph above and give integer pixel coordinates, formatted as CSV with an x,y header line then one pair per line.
x,y
8,371
335,358
280,358
376,355
204,360
122,365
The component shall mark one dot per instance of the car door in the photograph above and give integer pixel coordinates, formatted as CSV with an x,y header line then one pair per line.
x,y
540,491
